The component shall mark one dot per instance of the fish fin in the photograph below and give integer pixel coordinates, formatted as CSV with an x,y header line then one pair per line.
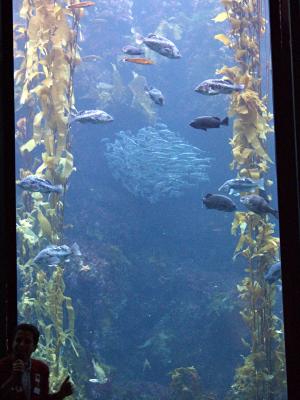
x,y
261,184
225,121
224,78
139,39
75,249
204,129
53,261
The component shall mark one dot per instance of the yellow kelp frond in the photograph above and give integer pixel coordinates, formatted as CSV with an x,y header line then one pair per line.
x,y
221,17
224,39
230,72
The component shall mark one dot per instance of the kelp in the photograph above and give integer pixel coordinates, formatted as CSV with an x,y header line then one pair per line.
x,y
262,374
46,50
186,384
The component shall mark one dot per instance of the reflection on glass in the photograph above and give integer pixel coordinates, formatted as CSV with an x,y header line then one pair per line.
x,y
148,249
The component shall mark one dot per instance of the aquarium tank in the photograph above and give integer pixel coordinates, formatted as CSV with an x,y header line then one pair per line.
x,y
148,244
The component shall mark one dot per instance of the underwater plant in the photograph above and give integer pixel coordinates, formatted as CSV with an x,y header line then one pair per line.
x,y
155,162
262,375
46,51
186,384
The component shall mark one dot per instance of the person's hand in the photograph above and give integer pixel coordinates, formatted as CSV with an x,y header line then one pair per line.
x,y
18,367
66,388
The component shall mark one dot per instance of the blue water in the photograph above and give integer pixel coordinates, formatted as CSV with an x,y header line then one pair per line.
x,y
162,284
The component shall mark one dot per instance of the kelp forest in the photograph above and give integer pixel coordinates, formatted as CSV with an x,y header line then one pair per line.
x,y
46,53
49,42
262,375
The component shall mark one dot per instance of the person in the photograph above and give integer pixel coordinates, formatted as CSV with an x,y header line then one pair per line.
x,y
23,377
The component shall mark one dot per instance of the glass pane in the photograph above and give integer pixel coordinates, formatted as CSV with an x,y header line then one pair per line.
x,y
148,237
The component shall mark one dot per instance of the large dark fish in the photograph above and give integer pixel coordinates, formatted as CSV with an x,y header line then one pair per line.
x,y
258,205
218,202
160,45
208,122
238,185
53,255
33,183
92,116
273,273
212,87
155,95
133,50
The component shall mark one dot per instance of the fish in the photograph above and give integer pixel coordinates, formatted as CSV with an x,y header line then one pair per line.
x,y
133,50
273,273
94,380
159,44
258,205
144,61
104,86
92,116
146,365
155,95
82,4
213,87
208,122
53,255
238,185
34,183
218,202
91,57
99,372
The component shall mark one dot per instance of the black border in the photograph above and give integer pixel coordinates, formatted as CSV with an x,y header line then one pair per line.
x,y
285,34
8,279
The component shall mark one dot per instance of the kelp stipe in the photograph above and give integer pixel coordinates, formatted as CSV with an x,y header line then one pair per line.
x,y
262,375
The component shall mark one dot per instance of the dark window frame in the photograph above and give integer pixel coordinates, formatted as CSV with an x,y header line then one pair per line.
x,y
285,46
8,277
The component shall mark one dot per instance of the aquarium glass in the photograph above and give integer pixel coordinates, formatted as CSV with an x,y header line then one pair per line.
x,y
147,222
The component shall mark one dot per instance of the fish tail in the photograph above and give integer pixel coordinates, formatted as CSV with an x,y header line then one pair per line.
x,y
240,87
225,121
275,213
261,184
72,118
59,189
139,39
75,249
